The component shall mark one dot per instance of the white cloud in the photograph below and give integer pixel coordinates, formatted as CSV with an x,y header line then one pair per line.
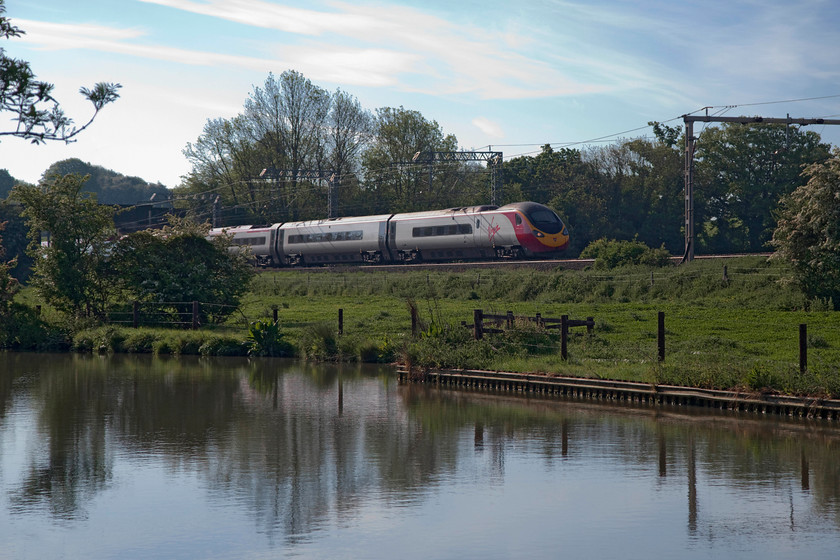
x,y
488,127
416,51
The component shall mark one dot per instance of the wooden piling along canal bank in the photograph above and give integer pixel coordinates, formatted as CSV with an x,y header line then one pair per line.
x,y
641,394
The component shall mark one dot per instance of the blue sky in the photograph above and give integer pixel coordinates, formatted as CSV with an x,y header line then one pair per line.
x,y
511,75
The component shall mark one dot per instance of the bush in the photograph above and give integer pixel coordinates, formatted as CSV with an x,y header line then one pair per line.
x,y
609,253
266,339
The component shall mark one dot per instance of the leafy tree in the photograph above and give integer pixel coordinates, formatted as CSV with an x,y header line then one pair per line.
x,y
808,230
287,118
350,129
37,115
289,124
178,264
109,186
8,285
15,238
742,173
68,269
6,183
398,135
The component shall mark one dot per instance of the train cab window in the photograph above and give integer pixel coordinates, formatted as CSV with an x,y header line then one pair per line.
x,y
518,220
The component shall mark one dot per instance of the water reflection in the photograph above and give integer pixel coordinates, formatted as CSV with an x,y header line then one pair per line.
x,y
306,452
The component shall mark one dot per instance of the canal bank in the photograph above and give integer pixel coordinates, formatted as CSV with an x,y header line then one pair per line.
x,y
640,394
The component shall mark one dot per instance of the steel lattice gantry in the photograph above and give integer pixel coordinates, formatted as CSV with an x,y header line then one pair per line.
x,y
273,174
493,159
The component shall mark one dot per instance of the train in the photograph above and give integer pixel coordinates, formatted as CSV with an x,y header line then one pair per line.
x,y
518,230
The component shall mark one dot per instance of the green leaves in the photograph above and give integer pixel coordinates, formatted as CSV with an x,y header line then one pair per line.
x,y
808,231
266,339
38,115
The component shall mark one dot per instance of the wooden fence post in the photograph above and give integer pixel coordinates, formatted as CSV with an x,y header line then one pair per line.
x,y
274,314
590,325
510,319
478,328
564,337
340,321
135,314
413,320
195,308
803,347
661,336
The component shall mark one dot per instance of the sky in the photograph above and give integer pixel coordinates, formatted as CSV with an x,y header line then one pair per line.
x,y
509,76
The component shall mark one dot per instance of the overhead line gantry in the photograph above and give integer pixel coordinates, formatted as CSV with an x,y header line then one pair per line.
x,y
690,144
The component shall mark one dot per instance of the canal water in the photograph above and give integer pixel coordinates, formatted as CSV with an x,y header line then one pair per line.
x,y
138,457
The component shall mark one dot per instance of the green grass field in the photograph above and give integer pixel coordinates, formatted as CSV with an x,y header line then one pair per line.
x,y
740,330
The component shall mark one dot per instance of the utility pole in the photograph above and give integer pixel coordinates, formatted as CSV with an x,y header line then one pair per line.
x,y
690,145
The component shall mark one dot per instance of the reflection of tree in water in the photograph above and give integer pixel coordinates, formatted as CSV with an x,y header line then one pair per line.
x,y
304,447
71,466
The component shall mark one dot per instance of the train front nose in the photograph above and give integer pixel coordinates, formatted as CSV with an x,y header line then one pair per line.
x,y
553,241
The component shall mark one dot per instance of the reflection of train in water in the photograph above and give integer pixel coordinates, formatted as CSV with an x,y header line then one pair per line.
x,y
522,229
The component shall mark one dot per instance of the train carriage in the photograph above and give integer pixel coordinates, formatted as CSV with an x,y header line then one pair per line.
x,y
261,240
456,233
336,240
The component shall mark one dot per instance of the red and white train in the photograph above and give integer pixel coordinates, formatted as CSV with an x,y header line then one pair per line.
x,y
521,229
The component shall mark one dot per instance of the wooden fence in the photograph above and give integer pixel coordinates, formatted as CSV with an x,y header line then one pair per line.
x,y
509,320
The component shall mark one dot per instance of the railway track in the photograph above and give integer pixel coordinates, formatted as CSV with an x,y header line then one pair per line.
x,y
536,264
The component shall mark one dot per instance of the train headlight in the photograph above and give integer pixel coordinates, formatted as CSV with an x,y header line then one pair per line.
x,y
538,234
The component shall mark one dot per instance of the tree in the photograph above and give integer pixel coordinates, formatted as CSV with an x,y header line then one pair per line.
x,y
8,285
68,270
808,230
742,173
178,264
287,118
350,128
399,134
38,116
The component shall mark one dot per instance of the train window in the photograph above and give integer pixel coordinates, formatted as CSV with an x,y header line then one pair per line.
x,y
518,220
249,241
435,231
325,237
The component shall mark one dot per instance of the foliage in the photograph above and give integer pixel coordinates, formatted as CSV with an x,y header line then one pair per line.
x,y
178,264
22,329
15,238
742,172
266,339
111,339
399,134
8,288
109,186
808,231
287,126
609,253
38,116
69,269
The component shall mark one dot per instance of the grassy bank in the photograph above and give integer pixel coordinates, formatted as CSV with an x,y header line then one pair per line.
x,y
738,329
723,330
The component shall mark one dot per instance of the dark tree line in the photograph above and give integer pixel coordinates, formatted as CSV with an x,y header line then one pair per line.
x,y
251,166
